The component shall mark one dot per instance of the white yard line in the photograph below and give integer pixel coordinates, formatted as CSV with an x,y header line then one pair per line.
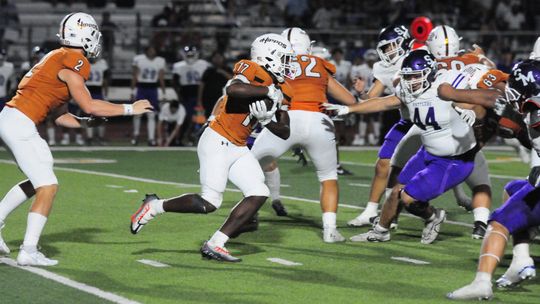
x,y
153,263
71,283
409,260
283,262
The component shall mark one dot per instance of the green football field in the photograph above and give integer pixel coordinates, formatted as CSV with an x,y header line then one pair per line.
x,y
99,190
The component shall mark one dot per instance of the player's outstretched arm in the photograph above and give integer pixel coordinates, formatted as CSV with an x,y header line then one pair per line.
x,y
482,97
339,92
97,107
373,105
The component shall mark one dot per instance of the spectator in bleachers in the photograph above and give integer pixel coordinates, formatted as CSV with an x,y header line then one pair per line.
x,y
514,17
187,75
212,83
7,78
296,11
108,28
343,67
266,13
171,117
9,23
324,16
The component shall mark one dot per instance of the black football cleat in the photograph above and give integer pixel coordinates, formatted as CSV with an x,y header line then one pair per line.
x,y
479,230
217,253
342,171
278,207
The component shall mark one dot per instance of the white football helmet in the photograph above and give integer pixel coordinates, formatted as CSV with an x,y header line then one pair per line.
x,y
274,52
80,30
443,42
322,52
536,50
299,40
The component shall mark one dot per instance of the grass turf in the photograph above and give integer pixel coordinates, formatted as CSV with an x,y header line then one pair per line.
x,y
88,233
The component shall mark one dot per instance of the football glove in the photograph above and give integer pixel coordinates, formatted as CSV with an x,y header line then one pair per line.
x,y
91,122
466,115
261,113
275,95
340,110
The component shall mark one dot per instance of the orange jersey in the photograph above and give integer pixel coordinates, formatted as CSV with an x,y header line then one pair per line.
x,y
491,78
40,90
458,62
311,83
233,120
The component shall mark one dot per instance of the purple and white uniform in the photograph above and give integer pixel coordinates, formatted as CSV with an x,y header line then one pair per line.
x,y
95,80
147,80
522,209
449,146
386,74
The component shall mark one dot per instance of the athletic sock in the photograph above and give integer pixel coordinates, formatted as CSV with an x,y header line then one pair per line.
x,y
483,276
481,214
329,220
218,239
371,208
157,205
34,227
273,181
521,251
13,199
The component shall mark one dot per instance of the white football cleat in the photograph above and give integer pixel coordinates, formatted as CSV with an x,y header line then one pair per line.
x,y
517,272
35,258
4,249
372,235
477,290
144,214
332,235
364,219
431,228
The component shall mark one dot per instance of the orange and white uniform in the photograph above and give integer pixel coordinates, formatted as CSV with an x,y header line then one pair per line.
x,y
458,62
222,149
310,128
39,92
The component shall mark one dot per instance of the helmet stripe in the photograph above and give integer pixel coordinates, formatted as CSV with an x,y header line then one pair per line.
x,y
64,25
289,34
446,40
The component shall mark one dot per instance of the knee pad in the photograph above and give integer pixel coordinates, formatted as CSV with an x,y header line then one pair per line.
x,y
212,198
27,188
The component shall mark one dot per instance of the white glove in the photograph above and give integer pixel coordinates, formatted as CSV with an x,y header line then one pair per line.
x,y
261,113
340,109
467,115
275,94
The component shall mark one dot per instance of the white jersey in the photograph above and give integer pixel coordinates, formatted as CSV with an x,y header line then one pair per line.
x,y
343,70
97,73
364,72
443,133
148,69
166,115
6,73
387,73
190,74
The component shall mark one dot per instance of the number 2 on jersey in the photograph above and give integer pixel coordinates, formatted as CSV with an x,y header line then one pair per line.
x,y
308,71
428,121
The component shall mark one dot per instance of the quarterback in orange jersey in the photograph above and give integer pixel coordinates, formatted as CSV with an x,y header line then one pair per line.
x,y
254,95
46,88
311,129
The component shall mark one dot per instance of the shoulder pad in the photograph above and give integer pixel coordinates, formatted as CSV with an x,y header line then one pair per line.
x,y
531,104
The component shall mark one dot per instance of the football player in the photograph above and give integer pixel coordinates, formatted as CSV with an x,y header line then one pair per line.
x,y
449,145
521,210
98,86
222,149
148,74
187,76
522,265
310,127
58,77
7,75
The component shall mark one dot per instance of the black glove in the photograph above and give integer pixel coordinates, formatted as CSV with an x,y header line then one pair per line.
x,y
92,121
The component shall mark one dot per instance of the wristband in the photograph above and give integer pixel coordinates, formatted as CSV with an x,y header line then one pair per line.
x,y
128,109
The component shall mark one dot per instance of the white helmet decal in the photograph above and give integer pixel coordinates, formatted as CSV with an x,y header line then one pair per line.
x,y
443,42
80,30
299,40
275,53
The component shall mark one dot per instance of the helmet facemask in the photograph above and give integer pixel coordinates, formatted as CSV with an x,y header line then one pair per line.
x,y
391,50
513,97
281,65
415,82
